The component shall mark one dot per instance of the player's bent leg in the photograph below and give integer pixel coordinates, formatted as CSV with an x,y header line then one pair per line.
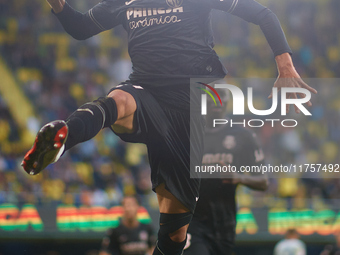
x,y
174,222
125,112
89,119
85,123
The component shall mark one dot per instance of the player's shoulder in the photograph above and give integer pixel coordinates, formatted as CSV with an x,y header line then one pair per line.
x,y
281,243
119,226
114,3
201,3
299,242
290,242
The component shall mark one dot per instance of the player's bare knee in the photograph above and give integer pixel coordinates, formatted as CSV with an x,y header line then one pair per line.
x,y
179,235
126,104
121,100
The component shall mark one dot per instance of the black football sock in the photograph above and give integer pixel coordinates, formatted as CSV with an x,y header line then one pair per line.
x,y
86,122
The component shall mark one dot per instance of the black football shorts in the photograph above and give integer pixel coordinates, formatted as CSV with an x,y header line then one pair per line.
x,y
162,122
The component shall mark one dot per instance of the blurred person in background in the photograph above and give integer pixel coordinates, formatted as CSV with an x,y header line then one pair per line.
x,y
290,245
212,229
332,249
130,237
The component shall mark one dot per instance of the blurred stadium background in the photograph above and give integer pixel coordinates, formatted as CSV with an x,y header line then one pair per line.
x,y
45,75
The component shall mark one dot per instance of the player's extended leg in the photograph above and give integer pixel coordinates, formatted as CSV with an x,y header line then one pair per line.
x,y
174,222
116,109
54,138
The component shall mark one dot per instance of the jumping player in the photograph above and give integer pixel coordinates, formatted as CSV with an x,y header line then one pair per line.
x,y
169,41
212,229
130,237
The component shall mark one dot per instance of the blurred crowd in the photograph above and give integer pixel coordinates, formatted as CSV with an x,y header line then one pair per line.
x,y
58,74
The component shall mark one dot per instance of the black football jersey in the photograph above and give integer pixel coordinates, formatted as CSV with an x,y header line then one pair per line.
x,y
170,39
129,241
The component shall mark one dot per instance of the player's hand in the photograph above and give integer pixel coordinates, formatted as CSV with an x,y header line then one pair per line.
x,y
56,5
289,77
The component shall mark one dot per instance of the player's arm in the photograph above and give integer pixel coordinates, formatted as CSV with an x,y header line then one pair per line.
x,y
256,13
255,182
84,25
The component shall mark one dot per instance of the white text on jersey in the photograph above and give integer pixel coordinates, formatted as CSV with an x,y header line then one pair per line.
x,y
144,12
